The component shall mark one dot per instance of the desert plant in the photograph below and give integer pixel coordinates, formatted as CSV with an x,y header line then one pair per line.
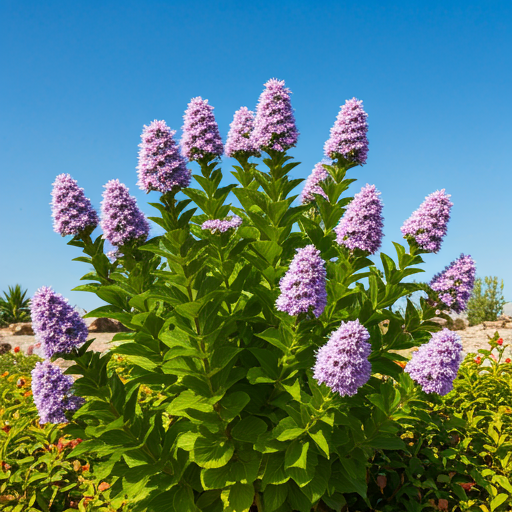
x,y
487,301
229,318
14,306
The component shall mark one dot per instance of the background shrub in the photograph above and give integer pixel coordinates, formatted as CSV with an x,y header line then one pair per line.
x,y
487,301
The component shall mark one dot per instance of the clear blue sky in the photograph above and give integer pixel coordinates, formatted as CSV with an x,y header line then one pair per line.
x,y
79,79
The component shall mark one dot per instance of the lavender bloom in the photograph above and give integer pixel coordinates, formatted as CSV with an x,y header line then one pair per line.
x,y
342,363
222,225
239,136
161,166
312,184
57,326
361,226
429,223
71,211
53,395
274,126
434,365
348,135
114,255
303,285
455,284
201,135
121,219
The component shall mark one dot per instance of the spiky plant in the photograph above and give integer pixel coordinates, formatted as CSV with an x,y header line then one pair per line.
x,y
14,306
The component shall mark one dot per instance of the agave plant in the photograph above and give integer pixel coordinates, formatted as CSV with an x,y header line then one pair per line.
x,y
14,306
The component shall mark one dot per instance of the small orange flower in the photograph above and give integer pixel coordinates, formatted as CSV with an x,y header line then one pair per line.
x,y
86,467
75,442
27,393
500,341
103,486
4,374
16,350
507,360
478,360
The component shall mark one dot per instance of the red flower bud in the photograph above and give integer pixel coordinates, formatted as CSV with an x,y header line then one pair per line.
x,y
16,350
478,360
507,360
500,341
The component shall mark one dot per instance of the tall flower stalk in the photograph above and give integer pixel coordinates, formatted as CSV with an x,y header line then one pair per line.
x,y
72,211
427,226
161,166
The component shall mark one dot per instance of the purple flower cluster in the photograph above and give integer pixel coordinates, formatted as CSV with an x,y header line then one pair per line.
x,y
342,363
434,365
71,211
312,184
303,286
274,126
201,135
121,219
429,223
218,225
161,166
239,137
53,395
361,226
348,135
57,326
455,284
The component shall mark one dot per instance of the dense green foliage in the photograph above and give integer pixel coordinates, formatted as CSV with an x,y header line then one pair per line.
x,y
487,300
14,306
35,473
454,451
458,451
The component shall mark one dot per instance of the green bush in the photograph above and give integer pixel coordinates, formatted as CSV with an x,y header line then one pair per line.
x,y
487,301
36,473
459,447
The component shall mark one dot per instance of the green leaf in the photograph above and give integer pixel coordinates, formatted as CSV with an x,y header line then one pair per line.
x,y
320,440
249,429
289,434
239,497
233,404
274,496
274,469
268,250
296,454
315,489
498,500
503,481
183,500
258,376
383,442
212,451
277,337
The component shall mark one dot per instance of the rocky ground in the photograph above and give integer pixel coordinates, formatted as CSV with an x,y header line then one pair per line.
x,y
473,338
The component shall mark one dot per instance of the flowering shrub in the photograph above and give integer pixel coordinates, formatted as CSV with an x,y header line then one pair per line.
x,y
252,325
457,455
35,473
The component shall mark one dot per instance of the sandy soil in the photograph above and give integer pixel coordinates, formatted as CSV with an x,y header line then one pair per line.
x,y
473,338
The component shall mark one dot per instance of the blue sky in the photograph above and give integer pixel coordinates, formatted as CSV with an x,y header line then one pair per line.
x,y
80,79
